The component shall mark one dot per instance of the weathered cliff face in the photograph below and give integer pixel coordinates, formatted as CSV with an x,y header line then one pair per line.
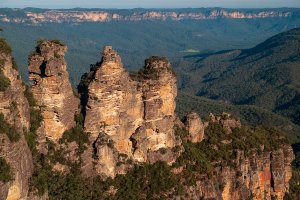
x,y
52,90
256,177
159,92
114,111
115,104
129,116
15,109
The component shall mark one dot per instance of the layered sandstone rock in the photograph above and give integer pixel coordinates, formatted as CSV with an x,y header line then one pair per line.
x,y
195,127
126,115
257,177
14,107
52,89
114,111
159,92
115,103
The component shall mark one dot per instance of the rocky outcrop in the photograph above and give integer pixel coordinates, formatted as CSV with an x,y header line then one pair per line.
x,y
14,107
257,177
128,115
195,127
52,90
227,121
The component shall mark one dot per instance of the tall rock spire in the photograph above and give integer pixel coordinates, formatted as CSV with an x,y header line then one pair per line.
x,y
159,93
52,89
114,110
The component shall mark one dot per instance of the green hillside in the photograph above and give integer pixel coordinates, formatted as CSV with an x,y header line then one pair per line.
x,y
267,75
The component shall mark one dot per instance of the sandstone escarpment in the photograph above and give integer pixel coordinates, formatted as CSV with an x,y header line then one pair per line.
x,y
80,16
14,110
257,177
52,89
128,116
259,171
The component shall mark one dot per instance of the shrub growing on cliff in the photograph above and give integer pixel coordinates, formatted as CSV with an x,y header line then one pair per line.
x,y
4,46
147,182
5,172
14,64
9,130
76,134
4,82
35,120
56,41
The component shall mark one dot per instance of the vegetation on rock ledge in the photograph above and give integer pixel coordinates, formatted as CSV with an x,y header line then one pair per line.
x,y
4,47
5,172
219,149
11,131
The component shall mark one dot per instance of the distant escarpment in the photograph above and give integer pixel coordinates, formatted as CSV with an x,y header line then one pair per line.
x,y
120,138
37,16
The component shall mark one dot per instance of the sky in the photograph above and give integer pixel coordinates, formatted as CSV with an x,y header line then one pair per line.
x,y
149,3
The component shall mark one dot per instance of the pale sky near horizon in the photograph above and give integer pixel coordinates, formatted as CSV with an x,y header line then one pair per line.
x,y
149,3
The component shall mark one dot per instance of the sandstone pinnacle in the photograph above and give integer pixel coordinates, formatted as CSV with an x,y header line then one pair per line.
x,y
52,89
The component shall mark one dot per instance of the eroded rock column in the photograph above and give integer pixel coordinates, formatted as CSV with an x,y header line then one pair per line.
x,y
114,111
52,89
159,92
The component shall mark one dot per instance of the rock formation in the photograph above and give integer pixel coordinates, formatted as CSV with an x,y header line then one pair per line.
x,y
257,177
15,110
115,104
129,115
195,127
52,89
129,119
227,121
159,93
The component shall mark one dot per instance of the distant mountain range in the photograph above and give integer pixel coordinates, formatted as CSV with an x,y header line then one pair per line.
x,y
36,16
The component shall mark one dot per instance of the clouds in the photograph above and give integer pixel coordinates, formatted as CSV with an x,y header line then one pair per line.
x,y
149,3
